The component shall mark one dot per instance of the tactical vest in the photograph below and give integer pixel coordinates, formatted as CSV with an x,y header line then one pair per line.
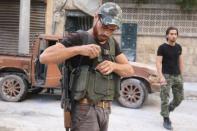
x,y
86,82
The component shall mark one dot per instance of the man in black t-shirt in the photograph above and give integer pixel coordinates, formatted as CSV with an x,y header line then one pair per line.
x,y
90,111
170,69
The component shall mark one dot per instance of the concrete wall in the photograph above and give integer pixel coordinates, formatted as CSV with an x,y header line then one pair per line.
x,y
147,51
55,18
152,21
49,17
147,42
24,26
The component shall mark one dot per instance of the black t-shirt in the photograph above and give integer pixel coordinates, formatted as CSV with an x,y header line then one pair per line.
x,y
75,39
170,62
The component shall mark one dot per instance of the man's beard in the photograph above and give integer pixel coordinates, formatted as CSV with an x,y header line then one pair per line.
x,y
102,38
99,37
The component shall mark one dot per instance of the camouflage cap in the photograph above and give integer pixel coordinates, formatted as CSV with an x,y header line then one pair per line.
x,y
111,14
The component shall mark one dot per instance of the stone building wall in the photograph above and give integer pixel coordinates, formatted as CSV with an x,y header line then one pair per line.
x,y
147,51
152,21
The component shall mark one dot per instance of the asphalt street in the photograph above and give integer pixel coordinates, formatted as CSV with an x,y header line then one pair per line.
x,y
42,112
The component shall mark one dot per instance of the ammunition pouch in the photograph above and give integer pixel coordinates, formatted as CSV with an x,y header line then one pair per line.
x,y
85,82
78,82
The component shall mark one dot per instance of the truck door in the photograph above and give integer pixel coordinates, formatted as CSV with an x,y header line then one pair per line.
x,y
46,75
52,72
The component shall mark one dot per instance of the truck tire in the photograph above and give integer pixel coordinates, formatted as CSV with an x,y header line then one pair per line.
x,y
133,93
13,88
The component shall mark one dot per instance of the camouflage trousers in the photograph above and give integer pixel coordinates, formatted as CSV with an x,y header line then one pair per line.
x,y
174,82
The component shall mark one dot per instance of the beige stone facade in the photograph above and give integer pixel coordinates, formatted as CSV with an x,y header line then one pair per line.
x,y
147,51
152,21
55,18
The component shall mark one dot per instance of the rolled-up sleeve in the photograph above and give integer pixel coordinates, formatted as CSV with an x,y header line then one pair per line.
x,y
72,39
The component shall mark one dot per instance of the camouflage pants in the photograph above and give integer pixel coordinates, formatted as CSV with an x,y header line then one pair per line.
x,y
174,82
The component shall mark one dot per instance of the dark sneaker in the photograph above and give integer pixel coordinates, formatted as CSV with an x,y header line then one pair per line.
x,y
167,123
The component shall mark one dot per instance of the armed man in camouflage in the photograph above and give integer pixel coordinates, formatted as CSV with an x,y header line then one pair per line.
x,y
97,63
170,69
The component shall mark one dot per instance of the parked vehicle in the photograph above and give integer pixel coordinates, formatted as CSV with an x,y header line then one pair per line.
x,y
22,73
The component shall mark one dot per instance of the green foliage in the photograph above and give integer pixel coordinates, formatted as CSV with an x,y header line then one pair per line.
x,y
187,4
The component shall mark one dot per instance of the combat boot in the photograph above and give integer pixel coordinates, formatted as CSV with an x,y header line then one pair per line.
x,y
167,123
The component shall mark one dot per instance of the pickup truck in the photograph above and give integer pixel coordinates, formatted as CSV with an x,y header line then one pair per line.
x,y
23,73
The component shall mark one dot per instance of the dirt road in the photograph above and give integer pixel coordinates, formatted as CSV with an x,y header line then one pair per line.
x,y
43,113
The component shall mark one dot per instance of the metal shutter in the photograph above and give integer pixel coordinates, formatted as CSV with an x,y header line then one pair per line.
x,y
9,25
37,20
